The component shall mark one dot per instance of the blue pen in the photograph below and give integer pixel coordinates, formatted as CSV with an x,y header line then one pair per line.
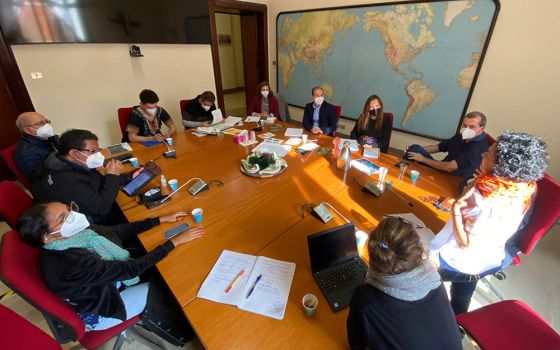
x,y
254,285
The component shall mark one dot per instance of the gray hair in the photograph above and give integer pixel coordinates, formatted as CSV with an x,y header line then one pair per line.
x,y
475,114
520,157
20,122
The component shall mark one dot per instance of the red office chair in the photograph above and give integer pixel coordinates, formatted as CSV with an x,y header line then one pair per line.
x,y
8,156
19,270
16,333
182,105
509,324
490,140
389,116
546,211
13,202
124,113
338,111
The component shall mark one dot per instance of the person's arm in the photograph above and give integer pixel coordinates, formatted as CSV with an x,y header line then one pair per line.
x,y
253,108
432,149
134,137
449,167
193,124
332,120
308,118
168,121
131,229
461,235
28,164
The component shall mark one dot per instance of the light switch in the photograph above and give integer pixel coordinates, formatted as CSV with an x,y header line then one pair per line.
x,y
36,75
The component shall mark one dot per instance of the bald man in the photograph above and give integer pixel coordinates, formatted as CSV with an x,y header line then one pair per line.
x,y
36,143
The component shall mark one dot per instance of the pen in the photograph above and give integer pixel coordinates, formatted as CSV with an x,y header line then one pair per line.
x,y
235,280
254,285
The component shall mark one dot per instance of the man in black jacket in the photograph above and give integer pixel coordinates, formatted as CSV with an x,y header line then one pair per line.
x,y
198,112
36,143
70,175
319,117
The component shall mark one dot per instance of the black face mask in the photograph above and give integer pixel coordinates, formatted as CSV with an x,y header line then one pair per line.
x,y
374,112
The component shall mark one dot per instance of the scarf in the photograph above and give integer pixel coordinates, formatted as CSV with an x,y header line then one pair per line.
x,y
412,285
507,190
90,240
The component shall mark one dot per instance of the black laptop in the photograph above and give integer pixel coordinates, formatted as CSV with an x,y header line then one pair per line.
x,y
335,264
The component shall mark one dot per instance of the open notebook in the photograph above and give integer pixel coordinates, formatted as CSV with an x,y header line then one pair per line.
x,y
270,294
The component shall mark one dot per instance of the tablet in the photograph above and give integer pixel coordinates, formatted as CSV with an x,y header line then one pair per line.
x,y
134,186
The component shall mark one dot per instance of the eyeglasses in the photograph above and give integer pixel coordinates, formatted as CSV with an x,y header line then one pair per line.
x,y
93,150
41,123
69,217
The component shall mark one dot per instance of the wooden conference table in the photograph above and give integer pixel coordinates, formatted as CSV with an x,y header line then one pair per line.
x,y
263,217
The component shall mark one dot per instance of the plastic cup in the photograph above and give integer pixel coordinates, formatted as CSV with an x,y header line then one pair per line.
x,y
197,214
174,184
134,162
169,141
309,303
304,138
414,175
403,166
382,174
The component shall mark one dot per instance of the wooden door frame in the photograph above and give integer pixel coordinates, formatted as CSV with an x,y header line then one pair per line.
x,y
234,7
16,86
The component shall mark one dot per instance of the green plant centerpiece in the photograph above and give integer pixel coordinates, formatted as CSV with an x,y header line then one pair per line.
x,y
263,164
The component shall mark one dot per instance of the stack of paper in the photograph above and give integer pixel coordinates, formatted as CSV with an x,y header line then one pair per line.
x,y
235,280
293,132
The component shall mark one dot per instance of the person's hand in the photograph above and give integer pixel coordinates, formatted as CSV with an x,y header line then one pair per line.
x,y
187,236
478,172
173,217
416,156
114,167
206,124
137,172
159,137
316,130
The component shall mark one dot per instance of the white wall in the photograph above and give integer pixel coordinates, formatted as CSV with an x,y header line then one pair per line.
x,y
519,83
84,84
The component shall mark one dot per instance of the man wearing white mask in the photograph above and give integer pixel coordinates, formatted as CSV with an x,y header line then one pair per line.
x,y
464,150
36,143
146,119
70,175
198,112
319,116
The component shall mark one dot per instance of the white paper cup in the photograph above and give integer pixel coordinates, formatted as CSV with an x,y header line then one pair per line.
x,y
174,184
134,162
309,303
169,141
304,138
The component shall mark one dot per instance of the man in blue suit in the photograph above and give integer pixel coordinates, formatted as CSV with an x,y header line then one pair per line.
x,y
319,116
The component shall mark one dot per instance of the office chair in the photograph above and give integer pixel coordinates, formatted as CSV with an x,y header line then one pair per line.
x,y
123,114
389,116
19,270
182,105
14,201
8,155
338,111
17,333
508,324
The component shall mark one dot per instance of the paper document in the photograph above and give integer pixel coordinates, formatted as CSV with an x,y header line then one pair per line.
x,y
233,121
292,141
217,116
309,146
267,147
266,136
365,166
234,280
352,143
426,235
251,119
293,132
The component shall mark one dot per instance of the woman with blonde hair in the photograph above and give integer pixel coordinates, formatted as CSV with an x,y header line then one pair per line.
x,y
373,127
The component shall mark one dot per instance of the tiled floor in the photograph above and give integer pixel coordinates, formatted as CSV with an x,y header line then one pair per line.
x,y
535,281
235,104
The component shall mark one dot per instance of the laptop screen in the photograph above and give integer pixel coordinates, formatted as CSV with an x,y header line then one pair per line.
x,y
332,246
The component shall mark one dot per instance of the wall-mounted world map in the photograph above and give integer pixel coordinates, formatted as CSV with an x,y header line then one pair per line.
x,y
421,58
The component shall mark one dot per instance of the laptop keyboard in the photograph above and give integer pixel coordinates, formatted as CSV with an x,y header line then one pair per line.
x,y
351,270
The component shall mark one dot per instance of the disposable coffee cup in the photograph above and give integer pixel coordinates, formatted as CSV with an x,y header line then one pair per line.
x,y
403,166
197,214
134,162
304,138
414,175
382,174
174,184
309,304
169,141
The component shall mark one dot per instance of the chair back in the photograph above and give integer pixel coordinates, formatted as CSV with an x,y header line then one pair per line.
x,y
182,105
490,140
338,110
546,211
123,114
19,270
389,116
18,333
13,202
8,156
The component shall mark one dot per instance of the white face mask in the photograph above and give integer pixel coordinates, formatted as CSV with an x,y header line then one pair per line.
x,y
74,223
95,160
319,100
467,133
264,93
151,111
206,108
45,131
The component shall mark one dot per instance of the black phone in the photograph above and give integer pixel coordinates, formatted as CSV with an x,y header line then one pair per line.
x,y
174,231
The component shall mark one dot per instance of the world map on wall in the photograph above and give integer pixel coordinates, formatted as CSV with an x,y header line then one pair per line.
x,y
420,58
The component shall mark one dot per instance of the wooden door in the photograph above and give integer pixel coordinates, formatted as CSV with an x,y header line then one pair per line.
x,y
250,55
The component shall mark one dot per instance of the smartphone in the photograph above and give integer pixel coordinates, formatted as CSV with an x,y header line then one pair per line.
x,y
174,231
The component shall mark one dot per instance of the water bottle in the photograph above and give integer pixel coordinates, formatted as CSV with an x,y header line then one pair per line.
x,y
344,158
163,181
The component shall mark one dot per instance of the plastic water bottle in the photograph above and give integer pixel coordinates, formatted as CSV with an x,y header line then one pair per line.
x,y
344,158
163,181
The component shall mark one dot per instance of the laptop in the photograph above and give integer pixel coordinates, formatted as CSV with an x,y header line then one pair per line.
x,y
335,264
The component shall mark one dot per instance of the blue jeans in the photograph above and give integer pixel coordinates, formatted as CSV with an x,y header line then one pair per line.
x,y
134,299
416,149
462,285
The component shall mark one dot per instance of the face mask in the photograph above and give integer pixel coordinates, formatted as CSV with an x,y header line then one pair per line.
x,y
319,100
151,111
374,112
76,222
95,160
45,131
206,108
467,133
264,94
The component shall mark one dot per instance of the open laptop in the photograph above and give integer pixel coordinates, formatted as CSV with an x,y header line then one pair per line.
x,y
335,264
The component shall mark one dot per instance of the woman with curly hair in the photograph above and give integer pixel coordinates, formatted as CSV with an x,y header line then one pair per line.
x,y
472,243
